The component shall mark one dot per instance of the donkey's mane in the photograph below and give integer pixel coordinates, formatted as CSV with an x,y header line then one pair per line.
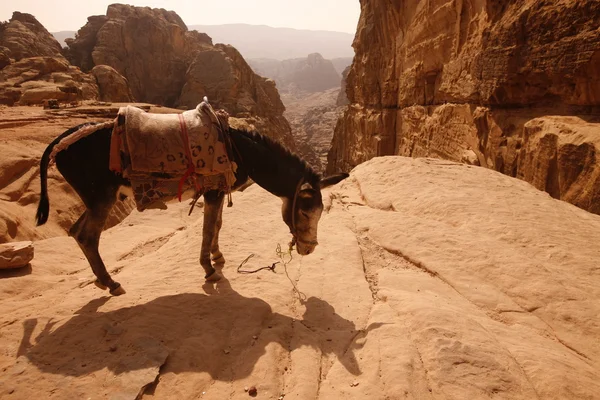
x,y
282,153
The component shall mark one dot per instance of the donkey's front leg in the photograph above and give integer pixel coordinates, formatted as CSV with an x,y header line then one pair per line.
x,y
212,205
217,256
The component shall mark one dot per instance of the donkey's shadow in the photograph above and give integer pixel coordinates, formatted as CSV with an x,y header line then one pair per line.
x,y
222,333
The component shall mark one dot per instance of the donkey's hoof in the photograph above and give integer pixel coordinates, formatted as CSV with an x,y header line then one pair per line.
x,y
118,291
100,285
215,276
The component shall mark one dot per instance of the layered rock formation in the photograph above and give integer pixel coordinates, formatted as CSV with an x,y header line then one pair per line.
x,y
25,37
479,82
165,63
33,69
112,85
32,80
222,74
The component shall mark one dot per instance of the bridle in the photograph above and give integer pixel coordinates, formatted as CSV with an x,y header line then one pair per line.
x,y
295,238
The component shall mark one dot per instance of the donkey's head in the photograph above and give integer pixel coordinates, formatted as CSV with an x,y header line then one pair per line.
x,y
303,212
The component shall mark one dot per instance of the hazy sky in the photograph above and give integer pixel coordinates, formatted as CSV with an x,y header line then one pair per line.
x,y
331,15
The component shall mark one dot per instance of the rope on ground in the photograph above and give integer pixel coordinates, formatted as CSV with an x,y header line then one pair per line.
x,y
282,256
240,271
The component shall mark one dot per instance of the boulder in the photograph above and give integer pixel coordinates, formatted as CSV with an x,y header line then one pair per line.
x,y
30,81
112,85
15,255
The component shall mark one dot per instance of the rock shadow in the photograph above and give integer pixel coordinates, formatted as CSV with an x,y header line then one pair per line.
x,y
221,333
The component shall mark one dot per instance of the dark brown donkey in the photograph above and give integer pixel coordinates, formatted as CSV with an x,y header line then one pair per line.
x,y
85,166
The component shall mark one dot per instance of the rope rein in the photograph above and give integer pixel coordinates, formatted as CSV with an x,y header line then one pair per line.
x,y
282,257
280,253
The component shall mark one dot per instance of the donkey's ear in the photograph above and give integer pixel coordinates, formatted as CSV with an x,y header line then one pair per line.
x,y
333,179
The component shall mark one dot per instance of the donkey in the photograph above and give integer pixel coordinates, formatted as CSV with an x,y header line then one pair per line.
x,y
85,166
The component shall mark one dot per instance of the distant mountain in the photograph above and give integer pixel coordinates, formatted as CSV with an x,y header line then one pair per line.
x,y
342,63
310,74
62,35
261,41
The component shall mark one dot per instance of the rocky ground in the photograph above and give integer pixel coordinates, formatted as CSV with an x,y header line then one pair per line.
x,y
432,280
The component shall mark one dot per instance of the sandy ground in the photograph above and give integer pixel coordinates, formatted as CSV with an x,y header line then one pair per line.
x,y
432,280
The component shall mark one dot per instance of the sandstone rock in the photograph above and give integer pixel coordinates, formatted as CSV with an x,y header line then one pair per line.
x,y
445,80
25,37
112,85
222,74
79,50
30,81
342,99
4,57
151,48
165,63
15,255
458,283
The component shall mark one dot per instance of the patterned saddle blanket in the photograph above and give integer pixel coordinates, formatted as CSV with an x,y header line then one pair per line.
x,y
164,155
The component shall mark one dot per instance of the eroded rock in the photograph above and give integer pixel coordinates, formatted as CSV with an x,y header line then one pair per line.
x,y
25,37
112,85
16,254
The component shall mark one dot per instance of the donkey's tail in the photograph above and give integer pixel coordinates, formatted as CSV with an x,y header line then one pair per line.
x,y
43,210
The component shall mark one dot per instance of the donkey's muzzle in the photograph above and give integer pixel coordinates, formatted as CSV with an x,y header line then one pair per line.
x,y
305,248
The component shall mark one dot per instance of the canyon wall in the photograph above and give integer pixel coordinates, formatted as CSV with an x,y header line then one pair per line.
x,y
512,85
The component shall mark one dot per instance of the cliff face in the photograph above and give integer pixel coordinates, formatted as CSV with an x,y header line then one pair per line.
x,y
481,82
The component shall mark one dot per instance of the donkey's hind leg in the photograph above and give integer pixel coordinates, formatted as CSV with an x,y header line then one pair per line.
x,y
86,232
213,202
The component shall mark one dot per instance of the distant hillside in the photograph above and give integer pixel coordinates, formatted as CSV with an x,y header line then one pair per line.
x,y
261,41
310,73
62,35
342,63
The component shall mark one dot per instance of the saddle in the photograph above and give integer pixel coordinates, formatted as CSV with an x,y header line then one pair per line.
x,y
164,155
